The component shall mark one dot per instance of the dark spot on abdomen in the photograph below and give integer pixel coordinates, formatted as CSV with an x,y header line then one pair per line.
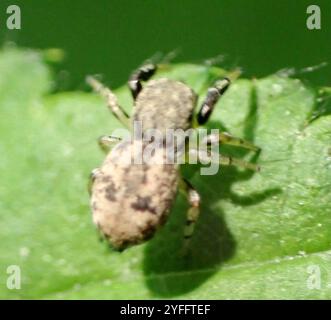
x,y
110,191
143,204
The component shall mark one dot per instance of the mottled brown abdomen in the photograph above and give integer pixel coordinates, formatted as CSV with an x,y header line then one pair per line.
x,y
130,201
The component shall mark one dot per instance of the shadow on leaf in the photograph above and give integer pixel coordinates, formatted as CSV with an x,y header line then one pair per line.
x,y
169,272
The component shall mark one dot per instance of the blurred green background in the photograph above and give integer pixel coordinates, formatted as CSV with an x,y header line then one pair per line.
x,y
113,37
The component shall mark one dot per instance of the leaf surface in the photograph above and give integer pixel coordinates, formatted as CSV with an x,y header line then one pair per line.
x,y
260,235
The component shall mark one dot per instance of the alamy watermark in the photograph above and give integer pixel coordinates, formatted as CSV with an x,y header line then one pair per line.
x,y
315,276
172,146
13,277
13,21
313,21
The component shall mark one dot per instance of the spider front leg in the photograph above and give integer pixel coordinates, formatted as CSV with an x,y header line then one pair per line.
x,y
213,95
193,212
112,102
226,138
144,73
107,142
208,156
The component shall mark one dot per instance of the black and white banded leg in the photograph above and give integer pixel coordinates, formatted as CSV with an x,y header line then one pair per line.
x,y
144,73
213,95
111,98
193,212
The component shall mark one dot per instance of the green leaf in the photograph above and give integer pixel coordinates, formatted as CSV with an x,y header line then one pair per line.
x,y
260,235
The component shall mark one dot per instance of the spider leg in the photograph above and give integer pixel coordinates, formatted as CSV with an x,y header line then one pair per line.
x,y
144,73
